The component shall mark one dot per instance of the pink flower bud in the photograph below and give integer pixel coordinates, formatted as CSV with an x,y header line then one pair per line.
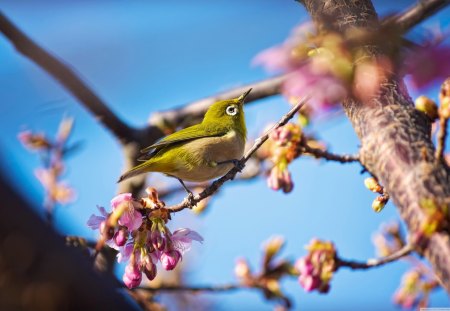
x,y
132,276
150,268
287,182
170,259
309,282
121,236
304,266
273,182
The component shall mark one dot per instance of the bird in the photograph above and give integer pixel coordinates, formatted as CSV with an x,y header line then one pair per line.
x,y
200,152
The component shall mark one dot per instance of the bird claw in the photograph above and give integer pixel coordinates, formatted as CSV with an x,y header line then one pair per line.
x,y
190,200
238,165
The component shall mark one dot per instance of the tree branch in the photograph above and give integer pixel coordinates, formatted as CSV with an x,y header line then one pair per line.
x,y
232,173
416,13
328,156
194,289
376,262
67,77
395,138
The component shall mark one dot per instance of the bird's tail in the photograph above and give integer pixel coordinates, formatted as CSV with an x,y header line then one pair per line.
x,y
137,170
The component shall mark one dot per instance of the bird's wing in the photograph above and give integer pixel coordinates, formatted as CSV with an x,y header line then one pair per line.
x,y
184,135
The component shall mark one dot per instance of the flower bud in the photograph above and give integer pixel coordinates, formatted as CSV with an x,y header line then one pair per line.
x,y
120,237
150,268
288,184
170,259
309,282
373,185
444,109
378,204
273,246
427,106
242,269
34,141
132,276
444,99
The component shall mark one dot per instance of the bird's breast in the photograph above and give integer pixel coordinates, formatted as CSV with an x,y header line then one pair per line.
x,y
209,151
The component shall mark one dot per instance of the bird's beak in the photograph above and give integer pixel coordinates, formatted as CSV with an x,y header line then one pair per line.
x,y
243,96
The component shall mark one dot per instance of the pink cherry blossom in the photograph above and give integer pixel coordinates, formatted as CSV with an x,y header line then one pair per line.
x,y
131,218
125,252
94,221
427,65
325,90
182,239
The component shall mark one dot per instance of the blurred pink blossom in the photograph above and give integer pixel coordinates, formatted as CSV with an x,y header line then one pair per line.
x,y
427,65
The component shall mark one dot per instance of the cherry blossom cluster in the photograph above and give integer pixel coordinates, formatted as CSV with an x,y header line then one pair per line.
x,y
414,291
388,239
271,272
137,229
52,152
418,282
281,149
317,267
332,66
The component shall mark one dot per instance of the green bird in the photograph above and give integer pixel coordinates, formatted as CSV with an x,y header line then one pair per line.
x,y
200,152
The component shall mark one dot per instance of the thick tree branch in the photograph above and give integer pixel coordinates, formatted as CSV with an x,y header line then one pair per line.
x,y
232,173
67,77
395,138
376,262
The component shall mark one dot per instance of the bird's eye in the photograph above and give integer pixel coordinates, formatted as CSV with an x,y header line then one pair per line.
x,y
231,110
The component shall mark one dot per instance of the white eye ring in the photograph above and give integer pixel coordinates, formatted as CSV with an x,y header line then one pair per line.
x,y
231,110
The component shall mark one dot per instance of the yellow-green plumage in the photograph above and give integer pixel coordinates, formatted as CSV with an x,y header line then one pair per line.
x,y
195,153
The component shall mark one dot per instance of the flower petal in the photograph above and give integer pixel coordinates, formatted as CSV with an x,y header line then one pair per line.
x,y
94,221
121,198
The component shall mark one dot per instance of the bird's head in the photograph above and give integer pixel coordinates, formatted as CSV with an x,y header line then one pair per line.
x,y
228,113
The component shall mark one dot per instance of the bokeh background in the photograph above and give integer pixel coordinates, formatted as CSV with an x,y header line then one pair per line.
x,y
146,56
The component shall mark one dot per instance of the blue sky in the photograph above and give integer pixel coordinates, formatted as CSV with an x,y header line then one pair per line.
x,y
145,56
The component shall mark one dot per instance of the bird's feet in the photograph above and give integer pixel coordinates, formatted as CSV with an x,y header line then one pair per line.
x,y
190,200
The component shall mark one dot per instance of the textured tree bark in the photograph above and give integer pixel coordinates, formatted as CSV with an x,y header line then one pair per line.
x,y
395,138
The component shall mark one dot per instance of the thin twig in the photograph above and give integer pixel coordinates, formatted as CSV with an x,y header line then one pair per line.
x,y
232,173
195,289
67,77
376,262
326,155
